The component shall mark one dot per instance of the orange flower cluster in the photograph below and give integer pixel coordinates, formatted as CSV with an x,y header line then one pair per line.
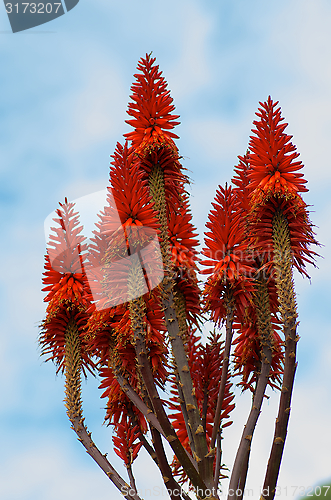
x,y
67,287
228,259
240,238
232,279
125,228
273,169
124,443
154,145
152,107
275,184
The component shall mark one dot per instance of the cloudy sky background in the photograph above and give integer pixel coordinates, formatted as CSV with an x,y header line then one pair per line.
x,y
64,92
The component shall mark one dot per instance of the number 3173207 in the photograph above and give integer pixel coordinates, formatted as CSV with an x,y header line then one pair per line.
x,y
32,8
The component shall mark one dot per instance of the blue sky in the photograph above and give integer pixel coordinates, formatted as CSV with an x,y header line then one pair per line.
x,y
64,90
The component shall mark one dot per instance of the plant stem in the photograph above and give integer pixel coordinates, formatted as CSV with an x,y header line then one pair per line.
x,y
138,326
132,479
288,311
243,477
225,368
73,403
164,466
218,459
204,460
137,401
240,467
158,455
150,450
184,411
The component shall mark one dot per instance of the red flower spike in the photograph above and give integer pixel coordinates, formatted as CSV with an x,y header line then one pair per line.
x,y
274,171
228,261
152,107
152,140
127,224
242,184
67,287
275,186
65,246
112,327
120,233
247,355
130,193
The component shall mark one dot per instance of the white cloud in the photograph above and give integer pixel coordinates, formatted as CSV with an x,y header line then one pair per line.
x,y
219,138
98,108
300,43
50,472
191,71
306,453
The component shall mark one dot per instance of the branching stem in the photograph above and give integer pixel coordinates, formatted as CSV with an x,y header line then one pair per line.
x,y
138,326
73,404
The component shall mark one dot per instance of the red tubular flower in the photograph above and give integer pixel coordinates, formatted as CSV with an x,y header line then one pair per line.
x,y
247,354
67,287
275,186
228,263
64,273
152,119
226,247
129,192
152,107
127,225
125,445
274,171
182,236
118,405
242,184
